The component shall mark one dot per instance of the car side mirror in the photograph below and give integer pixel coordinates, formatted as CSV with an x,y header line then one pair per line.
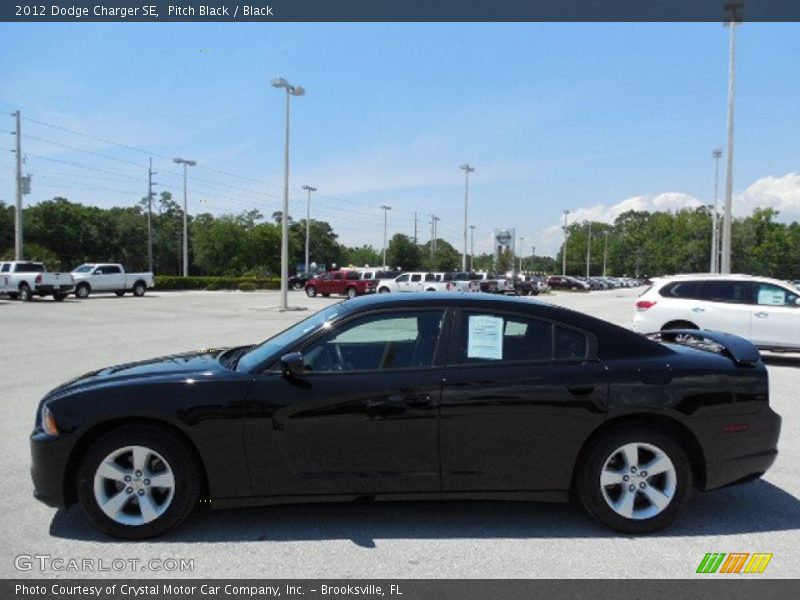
x,y
292,364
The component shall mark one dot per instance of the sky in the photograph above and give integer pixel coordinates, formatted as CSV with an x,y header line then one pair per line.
x,y
591,118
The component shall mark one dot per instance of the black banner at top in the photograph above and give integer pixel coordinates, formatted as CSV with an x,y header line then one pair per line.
x,y
164,11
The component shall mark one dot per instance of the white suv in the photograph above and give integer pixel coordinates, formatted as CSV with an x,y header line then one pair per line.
x,y
764,311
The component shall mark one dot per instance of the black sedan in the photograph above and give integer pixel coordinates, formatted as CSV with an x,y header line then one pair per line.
x,y
413,396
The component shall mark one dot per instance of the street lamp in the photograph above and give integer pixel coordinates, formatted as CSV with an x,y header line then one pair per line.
x,y
309,189
472,248
589,251
521,251
467,170
386,210
185,163
564,253
716,154
605,252
291,90
733,18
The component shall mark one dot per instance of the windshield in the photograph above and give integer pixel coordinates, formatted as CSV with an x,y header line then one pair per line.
x,y
84,269
287,338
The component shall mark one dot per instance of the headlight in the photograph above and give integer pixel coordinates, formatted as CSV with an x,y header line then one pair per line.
x,y
49,422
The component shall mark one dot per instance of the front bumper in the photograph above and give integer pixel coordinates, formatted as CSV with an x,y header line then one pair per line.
x,y
49,459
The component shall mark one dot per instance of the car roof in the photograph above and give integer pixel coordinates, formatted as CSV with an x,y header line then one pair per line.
x,y
717,277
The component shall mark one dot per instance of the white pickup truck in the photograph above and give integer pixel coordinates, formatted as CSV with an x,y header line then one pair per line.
x,y
26,279
414,282
109,277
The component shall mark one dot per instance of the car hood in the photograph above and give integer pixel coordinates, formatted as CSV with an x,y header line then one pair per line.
x,y
163,367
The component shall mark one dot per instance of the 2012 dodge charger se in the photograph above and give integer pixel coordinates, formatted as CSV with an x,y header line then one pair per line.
x,y
413,396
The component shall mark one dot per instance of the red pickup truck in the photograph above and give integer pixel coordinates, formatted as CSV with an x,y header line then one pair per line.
x,y
344,282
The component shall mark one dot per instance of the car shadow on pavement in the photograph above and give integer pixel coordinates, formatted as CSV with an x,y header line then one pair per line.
x,y
751,508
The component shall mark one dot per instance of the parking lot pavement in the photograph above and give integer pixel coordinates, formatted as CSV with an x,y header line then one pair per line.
x,y
46,343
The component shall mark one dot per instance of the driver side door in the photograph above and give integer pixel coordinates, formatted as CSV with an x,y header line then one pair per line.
x,y
362,418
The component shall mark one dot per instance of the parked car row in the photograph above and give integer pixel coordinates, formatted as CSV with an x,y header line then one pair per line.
x,y
568,282
23,280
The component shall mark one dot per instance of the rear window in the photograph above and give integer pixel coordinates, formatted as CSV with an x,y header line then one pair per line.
x,y
29,267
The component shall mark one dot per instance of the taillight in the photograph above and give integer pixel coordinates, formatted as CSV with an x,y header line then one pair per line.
x,y
645,304
39,278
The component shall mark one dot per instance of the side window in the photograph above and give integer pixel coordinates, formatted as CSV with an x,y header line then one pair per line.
x,y
6,267
570,344
351,275
416,277
99,271
338,276
772,295
735,292
378,342
680,289
402,278
430,277
111,270
491,338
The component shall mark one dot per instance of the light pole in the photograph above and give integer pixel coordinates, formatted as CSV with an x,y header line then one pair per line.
x,y
467,170
589,251
291,90
471,248
733,18
386,210
186,163
564,252
521,251
716,154
309,189
605,252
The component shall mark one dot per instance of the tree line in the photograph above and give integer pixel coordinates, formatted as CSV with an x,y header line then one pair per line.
x,y
65,234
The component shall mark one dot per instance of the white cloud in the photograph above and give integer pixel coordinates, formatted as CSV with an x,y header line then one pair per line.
x,y
780,193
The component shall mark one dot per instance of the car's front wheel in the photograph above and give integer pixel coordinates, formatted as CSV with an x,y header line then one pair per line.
x,y
137,482
311,291
635,480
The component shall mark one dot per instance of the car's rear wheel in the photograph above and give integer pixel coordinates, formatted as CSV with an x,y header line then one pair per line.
x,y
383,290
311,291
351,292
82,291
138,481
25,292
679,325
59,296
635,480
139,289
297,285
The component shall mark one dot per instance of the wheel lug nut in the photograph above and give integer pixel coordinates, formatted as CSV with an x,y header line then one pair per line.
x,y
141,492
633,469
643,485
129,490
632,488
625,477
147,482
138,473
127,478
643,473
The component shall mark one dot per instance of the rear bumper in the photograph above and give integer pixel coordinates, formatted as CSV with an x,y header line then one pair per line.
x,y
45,290
735,457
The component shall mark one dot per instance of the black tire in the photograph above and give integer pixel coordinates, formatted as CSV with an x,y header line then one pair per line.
x,y
82,291
311,291
25,292
383,290
297,285
590,492
120,293
139,288
13,295
351,292
187,476
59,296
679,325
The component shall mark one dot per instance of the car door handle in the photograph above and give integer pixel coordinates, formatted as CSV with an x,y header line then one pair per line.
x,y
698,309
760,315
580,390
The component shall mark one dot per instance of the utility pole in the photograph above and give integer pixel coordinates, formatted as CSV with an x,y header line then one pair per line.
x,y
716,154
386,210
471,248
433,233
733,18
564,252
309,189
150,174
589,251
18,207
605,252
467,170
521,251
415,228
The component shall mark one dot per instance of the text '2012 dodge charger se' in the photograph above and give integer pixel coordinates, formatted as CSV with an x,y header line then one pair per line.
x,y
413,396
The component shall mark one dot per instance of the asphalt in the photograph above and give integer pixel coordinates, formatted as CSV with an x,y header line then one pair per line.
x,y
46,343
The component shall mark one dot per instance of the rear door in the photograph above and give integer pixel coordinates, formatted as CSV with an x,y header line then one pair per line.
x,y
520,397
775,316
723,305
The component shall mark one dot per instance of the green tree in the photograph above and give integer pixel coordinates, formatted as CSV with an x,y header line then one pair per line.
x,y
403,253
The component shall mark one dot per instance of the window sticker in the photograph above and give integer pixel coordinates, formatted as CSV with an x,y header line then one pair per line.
x,y
485,338
771,296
